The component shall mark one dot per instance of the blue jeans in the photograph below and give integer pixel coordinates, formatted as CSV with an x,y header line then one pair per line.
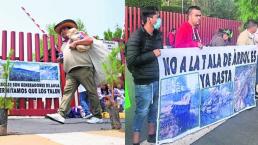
x,y
146,97
102,104
84,102
256,73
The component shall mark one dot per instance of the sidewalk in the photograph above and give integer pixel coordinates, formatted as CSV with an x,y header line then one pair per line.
x,y
73,138
41,131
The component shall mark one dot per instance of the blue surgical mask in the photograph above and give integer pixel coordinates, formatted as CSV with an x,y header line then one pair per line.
x,y
158,24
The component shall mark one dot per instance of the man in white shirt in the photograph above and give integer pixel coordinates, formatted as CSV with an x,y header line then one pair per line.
x,y
247,37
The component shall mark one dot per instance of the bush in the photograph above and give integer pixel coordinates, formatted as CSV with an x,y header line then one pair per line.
x,y
109,35
6,104
172,9
143,3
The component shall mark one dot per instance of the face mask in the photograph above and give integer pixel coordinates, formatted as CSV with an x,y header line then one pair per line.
x,y
158,24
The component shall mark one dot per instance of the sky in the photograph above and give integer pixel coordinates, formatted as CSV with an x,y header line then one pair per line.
x,y
98,15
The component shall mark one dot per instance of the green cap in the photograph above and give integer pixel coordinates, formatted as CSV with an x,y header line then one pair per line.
x,y
228,32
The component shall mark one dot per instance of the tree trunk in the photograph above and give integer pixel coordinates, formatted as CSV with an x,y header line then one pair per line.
x,y
113,111
3,121
114,117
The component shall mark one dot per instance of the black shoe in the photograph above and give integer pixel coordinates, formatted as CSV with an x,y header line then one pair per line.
x,y
152,138
136,143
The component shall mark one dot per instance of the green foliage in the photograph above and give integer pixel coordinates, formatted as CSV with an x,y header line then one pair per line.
x,y
172,9
247,9
132,3
113,67
118,33
42,48
6,69
225,9
6,103
79,22
50,29
81,26
218,8
109,35
143,3
175,5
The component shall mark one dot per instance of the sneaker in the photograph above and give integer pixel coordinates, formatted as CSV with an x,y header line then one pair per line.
x,y
152,138
56,117
94,120
88,116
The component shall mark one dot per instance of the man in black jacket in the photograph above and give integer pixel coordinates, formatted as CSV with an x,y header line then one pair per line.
x,y
142,50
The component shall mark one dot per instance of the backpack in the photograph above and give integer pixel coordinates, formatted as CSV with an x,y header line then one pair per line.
x,y
75,112
98,54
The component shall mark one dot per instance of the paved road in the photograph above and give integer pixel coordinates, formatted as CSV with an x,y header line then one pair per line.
x,y
43,126
242,129
41,131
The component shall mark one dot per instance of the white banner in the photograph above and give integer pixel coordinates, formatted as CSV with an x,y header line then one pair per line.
x,y
111,45
32,80
201,87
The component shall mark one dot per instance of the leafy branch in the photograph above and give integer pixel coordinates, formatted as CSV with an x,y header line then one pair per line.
x,y
6,103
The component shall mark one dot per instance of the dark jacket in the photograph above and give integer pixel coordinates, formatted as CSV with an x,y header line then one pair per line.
x,y
141,61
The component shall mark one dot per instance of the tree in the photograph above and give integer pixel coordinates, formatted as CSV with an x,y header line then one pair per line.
x,y
81,26
6,103
212,8
143,3
109,35
247,9
79,22
113,69
218,8
175,5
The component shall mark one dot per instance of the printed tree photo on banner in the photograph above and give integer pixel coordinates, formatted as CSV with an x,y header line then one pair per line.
x,y
216,103
179,110
22,72
33,79
200,87
245,78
